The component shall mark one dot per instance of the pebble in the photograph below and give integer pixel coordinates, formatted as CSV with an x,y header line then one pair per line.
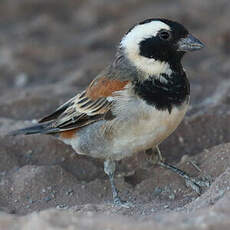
x,y
62,206
21,80
83,186
31,201
172,196
47,199
69,192
157,190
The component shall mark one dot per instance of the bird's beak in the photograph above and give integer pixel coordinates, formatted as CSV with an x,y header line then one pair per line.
x,y
189,43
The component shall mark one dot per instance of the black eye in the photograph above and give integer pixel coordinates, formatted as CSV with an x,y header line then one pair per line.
x,y
165,35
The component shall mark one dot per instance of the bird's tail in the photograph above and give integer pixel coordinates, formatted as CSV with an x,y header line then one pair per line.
x,y
45,128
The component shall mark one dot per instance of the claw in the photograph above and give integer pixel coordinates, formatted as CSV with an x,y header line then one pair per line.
x,y
109,168
120,203
193,185
197,184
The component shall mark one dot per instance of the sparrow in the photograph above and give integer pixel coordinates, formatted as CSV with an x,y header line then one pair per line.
x,y
134,104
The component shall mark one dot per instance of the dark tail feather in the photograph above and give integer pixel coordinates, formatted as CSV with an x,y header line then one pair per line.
x,y
45,128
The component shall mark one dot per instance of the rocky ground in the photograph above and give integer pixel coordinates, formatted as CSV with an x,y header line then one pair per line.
x,y
49,51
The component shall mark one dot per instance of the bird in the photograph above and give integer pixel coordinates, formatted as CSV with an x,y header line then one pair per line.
x,y
132,105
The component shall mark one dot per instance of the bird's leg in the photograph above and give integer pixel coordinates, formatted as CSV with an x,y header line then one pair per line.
x,y
195,184
109,168
159,154
154,156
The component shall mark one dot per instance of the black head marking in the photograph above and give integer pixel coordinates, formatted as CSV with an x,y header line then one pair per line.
x,y
161,49
164,95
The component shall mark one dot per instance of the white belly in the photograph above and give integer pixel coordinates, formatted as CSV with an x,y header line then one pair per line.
x,y
136,128
146,130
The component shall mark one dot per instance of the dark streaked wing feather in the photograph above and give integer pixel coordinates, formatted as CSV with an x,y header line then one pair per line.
x,y
79,111
82,111
58,111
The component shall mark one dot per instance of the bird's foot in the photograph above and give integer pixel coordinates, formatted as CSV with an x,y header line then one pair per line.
x,y
109,168
197,184
154,156
120,203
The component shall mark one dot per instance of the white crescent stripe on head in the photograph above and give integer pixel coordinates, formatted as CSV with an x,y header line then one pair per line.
x,y
130,44
141,32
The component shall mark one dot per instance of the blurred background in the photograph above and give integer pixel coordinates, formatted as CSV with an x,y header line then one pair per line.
x,y
50,50
59,46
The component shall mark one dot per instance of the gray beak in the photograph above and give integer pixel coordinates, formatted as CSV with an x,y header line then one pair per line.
x,y
190,43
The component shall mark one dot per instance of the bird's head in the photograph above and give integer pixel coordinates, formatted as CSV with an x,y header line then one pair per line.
x,y
155,45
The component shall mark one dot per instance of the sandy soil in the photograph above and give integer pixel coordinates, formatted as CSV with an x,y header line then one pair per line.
x,y
49,51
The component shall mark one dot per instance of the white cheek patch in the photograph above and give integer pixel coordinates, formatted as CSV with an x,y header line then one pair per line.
x,y
151,66
130,44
